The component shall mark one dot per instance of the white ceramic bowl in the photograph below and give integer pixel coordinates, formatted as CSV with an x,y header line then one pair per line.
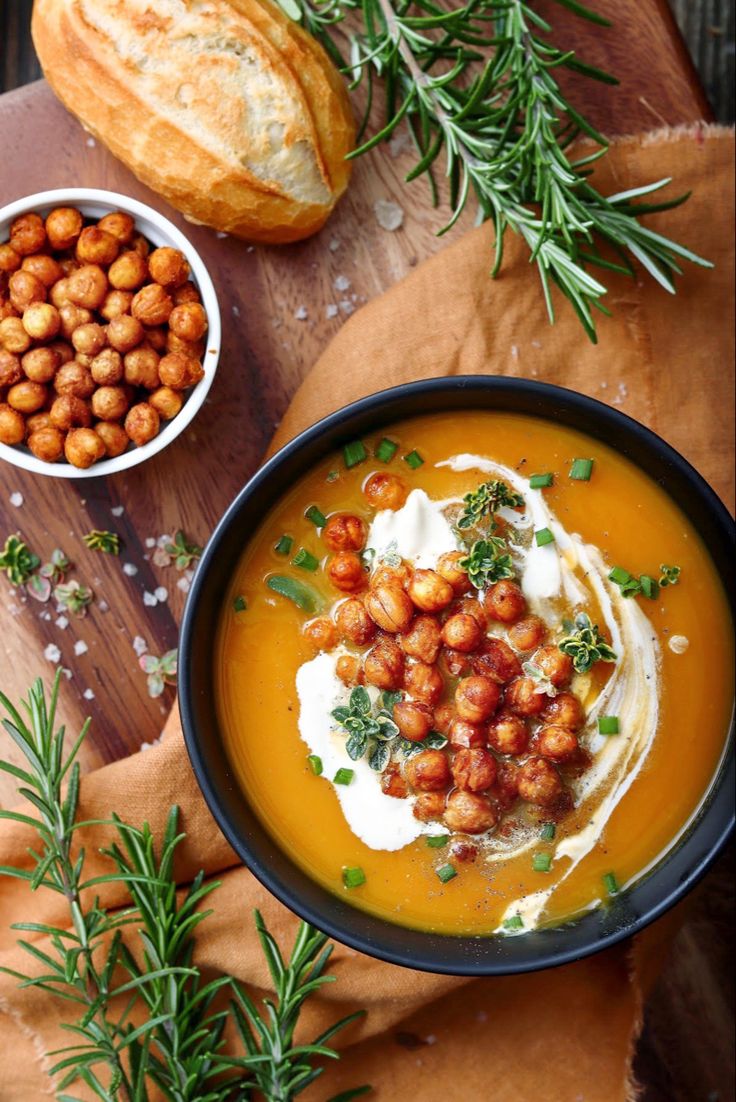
x,y
94,203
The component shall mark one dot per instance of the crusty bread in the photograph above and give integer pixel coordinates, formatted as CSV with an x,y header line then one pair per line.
x,y
227,108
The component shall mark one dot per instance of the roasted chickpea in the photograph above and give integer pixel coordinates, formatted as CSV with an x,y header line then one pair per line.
x,y
72,317
38,421
89,339
429,591
354,622
393,784
176,370
555,665
539,782
429,771
505,602
462,632
508,734
455,662
7,310
442,718
83,447
73,378
469,813
345,532
384,665
321,633
67,411
385,491
506,788
124,333
414,720
141,367
43,267
114,438
528,633
448,567
10,368
156,338
422,639
107,367
27,234
110,403
168,267
390,607
12,425
46,444
522,698
345,570
25,288
349,670
476,698
186,293
64,351
429,807
565,710
115,304
188,321
10,261
166,402
27,396
39,364
193,350
59,293
424,682
140,244
474,769
472,606
96,246
129,272
68,265
87,286
463,734
151,305
495,659
392,575
63,227
142,424
557,743
119,224
13,336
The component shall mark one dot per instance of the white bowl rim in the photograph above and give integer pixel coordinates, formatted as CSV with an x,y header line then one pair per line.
x,y
173,236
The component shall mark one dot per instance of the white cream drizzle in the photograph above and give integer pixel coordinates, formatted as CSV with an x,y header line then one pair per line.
x,y
569,568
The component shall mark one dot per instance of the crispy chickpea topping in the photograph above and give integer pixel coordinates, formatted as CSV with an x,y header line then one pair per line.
x,y
354,622
428,771
384,665
448,568
462,632
321,633
390,607
429,591
345,532
413,719
424,682
346,571
422,640
385,491
476,698
505,602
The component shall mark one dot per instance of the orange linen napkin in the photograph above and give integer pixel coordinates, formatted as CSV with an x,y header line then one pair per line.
x,y
566,1035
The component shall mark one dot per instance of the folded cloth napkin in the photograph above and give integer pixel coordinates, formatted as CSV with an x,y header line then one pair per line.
x,y
558,1036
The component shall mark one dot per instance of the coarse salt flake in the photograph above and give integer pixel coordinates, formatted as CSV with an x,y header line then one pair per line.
x,y
130,569
331,310
80,647
341,283
301,313
150,541
140,646
16,499
117,510
389,215
346,306
61,622
161,593
149,599
52,653
88,694
183,584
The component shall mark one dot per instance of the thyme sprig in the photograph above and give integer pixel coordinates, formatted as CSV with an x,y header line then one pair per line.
x,y
477,83
488,561
17,560
485,501
100,539
586,645
369,731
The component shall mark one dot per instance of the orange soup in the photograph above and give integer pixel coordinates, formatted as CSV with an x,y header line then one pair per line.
x,y
475,673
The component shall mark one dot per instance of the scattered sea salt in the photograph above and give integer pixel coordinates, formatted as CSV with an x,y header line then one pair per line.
x,y
67,673
80,647
130,569
140,646
334,244
44,615
16,499
103,606
301,313
161,593
221,234
52,653
150,541
117,510
430,1039
149,599
91,143
400,142
183,584
342,283
346,306
514,352
236,311
61,622
389,215
88,694
331,311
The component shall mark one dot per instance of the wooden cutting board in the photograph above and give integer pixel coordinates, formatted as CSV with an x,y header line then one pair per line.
x,y
266,353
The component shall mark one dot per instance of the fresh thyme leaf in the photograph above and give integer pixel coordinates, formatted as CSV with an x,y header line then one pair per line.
x,y
160,671
368,732
487,562
182,551
586,645
100,540
17,561
57,568
485,501
73,597
670,575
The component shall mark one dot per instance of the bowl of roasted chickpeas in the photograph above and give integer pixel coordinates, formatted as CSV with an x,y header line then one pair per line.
x,y
109,332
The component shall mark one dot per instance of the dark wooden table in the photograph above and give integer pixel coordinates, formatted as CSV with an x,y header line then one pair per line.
x,y
685,1054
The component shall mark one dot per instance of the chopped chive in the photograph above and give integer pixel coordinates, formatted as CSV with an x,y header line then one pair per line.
x,y
284,545
610,883
446,872
294,590
315,764
317,517
541,862
353,878
543,536
306,560
437,841
608,725
240,604
344,776
581,470
386,450
649,587
413,460
539,481
354,453
548,832
619,576
516,922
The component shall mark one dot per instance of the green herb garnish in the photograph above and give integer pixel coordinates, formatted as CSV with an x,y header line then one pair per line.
x,y
284,545
541,862
670,575
343,776
160,672
305,560
368,732
317,517
354,453
353,878
386,450
302,595
239,603
73,597
485,501
17,561
608,725
581,470
437,841
446,873
182,551
547,832
610,883
516,922
315,764
586,645
649,587
543,536
413,460
540,481
632,586
488,561
101,540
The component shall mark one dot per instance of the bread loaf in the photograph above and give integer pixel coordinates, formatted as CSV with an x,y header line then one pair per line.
x,y
227,108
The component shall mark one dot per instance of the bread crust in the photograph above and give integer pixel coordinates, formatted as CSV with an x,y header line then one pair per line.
x,y
227,108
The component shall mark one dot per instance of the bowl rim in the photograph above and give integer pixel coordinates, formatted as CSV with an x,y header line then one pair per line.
x,y
714,816
170,235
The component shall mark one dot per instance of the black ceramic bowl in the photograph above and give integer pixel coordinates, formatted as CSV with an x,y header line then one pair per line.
x,y
658,890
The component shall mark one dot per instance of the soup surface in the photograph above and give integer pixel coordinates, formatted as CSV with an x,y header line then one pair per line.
x,y
462,681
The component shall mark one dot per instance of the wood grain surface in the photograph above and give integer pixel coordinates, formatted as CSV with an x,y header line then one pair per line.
x,y
280,308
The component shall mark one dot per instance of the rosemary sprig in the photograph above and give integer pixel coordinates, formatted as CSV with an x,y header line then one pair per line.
x,y
477,82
